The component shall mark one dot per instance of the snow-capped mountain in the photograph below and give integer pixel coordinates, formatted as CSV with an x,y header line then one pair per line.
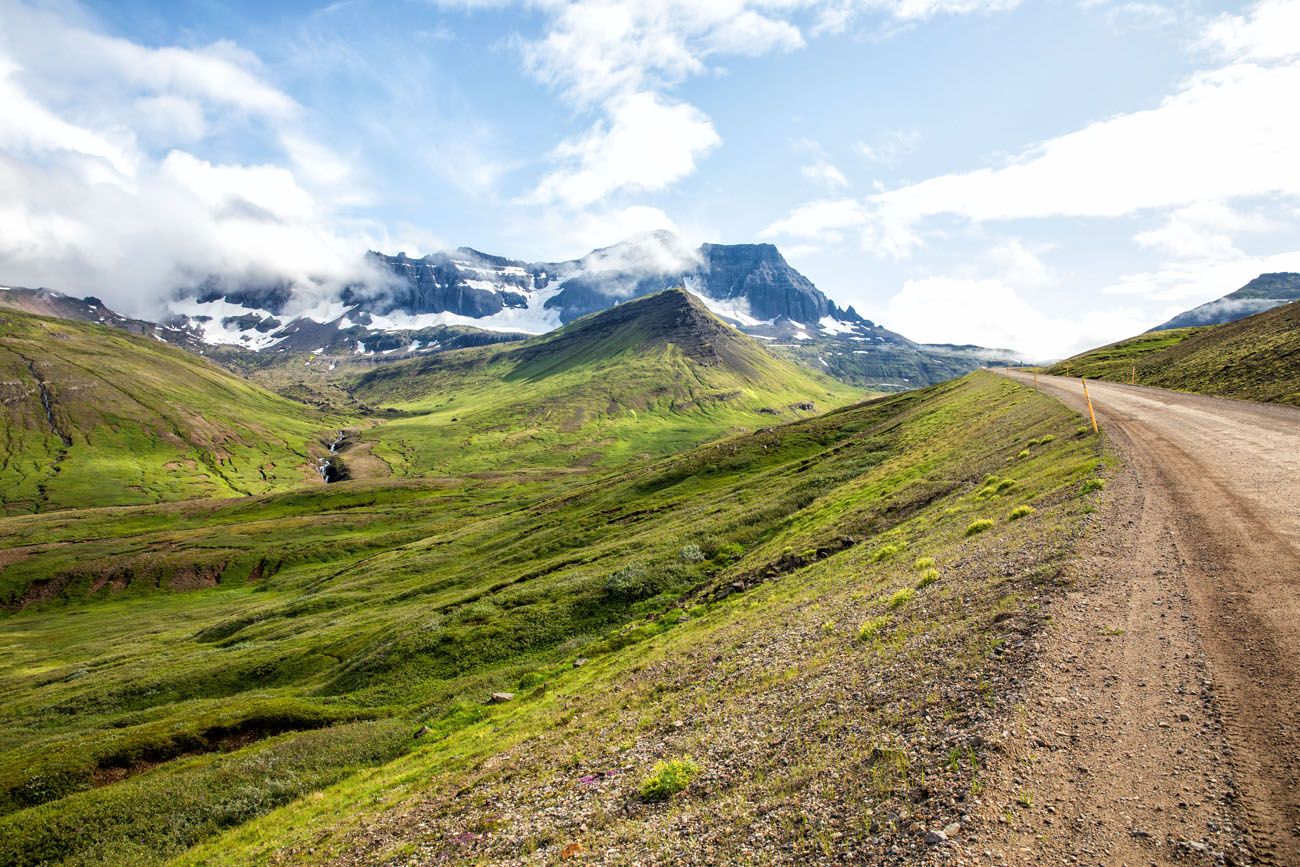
x,y
750,285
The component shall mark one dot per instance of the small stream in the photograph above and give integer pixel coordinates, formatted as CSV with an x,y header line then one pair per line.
x,y
329,468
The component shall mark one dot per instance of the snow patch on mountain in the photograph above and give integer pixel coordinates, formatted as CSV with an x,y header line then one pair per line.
x,y
218,321
735,309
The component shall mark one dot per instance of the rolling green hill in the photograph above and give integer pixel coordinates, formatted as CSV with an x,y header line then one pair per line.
x,y
1256,358
644,379
322,686
94,416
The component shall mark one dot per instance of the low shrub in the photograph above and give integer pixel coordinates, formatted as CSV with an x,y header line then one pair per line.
x,y
870,629
667,778
923,563
928,577
1020,512
901,598
888,552
1091,485
979,526
631,583
691,554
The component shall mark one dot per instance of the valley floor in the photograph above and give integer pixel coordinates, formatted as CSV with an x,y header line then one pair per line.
x,y
1162,723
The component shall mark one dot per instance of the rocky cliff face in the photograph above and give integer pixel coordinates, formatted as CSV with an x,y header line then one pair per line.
x,y
759,274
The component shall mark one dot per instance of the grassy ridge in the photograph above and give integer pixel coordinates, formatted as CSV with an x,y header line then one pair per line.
x,y
645,379
1256,358
148,722
95,416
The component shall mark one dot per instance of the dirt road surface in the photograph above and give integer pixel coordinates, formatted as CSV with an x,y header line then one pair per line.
x,y
1162,722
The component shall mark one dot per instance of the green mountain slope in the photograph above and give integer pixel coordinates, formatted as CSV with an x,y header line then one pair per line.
x,y
94,416
693,605
1256,358
646,378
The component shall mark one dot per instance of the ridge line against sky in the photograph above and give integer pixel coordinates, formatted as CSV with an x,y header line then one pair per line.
x,y
1047,176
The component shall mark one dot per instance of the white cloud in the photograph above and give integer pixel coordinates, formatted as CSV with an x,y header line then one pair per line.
x,y
824,221
105,190
1018,266
1269,32
988,312
824,174
836,15
620,58
563,235
595,49
1202,231
1226,133
890,147
1187,283
646,144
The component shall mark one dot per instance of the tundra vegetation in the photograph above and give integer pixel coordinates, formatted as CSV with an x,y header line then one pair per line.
x,y
307,675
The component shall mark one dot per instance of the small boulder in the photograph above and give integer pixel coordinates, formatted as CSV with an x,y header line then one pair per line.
x,y
502,697
934,838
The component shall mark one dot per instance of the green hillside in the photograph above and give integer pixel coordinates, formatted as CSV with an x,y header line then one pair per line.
x,y
322,687
644,379
94,416
1256,358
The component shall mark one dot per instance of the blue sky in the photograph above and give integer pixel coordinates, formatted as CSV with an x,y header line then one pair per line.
x,y
1041,175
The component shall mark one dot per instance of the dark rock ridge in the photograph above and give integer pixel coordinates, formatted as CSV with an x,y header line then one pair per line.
x,y
1263,293
469,283
464,281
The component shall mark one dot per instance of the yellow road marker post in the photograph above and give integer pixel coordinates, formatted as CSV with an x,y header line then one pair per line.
x,y
1133,375
1092,415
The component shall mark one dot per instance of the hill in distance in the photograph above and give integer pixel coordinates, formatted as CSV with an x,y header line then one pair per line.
x,y
645,378
1255,358
96,416
1263,293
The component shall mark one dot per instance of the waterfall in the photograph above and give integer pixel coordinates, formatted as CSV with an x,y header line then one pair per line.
x,y
328,472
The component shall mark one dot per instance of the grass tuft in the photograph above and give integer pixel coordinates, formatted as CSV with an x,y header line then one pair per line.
x,y
928,577
923,563
901,598
977,527
1020,512
869,630
667,778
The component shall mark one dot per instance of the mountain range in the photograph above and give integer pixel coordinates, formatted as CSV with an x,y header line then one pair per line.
x,y
431,303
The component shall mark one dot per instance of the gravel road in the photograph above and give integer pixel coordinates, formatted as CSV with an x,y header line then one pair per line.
x,y
1163,723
